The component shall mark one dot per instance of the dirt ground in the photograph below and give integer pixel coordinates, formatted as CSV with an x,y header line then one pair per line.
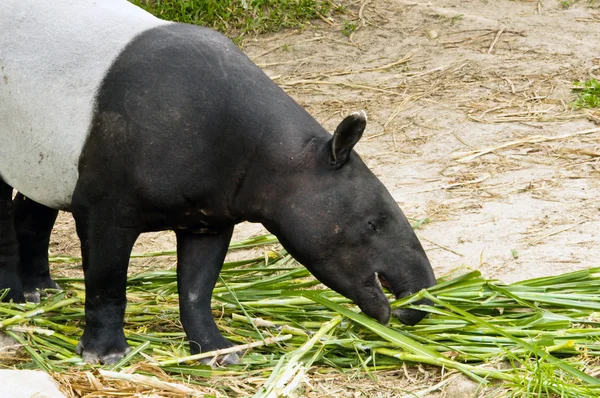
x,y
470,128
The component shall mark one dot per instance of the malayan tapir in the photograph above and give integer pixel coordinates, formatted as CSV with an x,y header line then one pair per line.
x,y
135,124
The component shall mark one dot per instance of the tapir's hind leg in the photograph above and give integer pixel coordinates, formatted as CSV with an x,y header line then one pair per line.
x,y
106,243
9,248
33,224
199,262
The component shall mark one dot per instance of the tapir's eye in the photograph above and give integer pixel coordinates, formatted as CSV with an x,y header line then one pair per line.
x,y
373,227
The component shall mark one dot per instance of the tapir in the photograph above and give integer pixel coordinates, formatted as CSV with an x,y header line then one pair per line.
x,y
135,124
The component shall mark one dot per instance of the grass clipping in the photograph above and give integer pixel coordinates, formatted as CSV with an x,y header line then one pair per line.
x,y
539,335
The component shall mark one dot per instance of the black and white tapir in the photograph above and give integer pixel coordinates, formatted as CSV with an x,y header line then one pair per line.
x,y
135,124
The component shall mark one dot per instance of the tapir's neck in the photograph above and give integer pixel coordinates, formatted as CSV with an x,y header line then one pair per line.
x,y
276,168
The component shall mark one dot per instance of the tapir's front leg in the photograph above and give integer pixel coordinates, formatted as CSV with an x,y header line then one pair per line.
x,y
199,262
106,246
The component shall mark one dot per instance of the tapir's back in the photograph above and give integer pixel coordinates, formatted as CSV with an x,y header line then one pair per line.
x,y
53,57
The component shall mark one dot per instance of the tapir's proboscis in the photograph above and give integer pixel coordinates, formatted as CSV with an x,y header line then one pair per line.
x,y
135,124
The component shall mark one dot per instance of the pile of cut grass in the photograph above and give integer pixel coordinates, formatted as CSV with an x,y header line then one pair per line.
x,y
238,17
536,336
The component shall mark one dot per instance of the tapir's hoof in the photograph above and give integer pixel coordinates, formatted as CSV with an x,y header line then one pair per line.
x,y
223,360
9,280
33,296
109,359
93,356
14,294
32,291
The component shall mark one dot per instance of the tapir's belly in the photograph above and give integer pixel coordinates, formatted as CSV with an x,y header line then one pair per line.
x,y
53,58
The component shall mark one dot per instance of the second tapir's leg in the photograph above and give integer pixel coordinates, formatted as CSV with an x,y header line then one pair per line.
x,y
33,224
9,248
199,262
106,243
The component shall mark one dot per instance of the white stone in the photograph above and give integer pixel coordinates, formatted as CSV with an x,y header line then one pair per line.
x,y
27,384
8,344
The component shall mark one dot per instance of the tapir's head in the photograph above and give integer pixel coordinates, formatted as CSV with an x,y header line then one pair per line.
x,y
335,217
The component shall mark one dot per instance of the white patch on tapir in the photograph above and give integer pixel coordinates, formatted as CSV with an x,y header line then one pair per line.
x,y
193,297
53,57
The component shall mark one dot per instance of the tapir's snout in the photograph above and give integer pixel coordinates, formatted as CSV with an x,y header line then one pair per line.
x,y
408,316
404,281
374,303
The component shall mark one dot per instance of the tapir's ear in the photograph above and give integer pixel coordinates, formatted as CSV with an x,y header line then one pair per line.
x,y
346,136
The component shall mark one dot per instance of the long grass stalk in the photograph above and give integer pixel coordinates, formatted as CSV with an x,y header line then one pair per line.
x,y
238,348
38,311
151,382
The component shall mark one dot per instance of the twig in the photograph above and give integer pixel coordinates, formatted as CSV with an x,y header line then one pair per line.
x,y
585,152
461,158
324,19
429,390
361,16
442,247
459,138
396,111
237,348
490,31
592,117
351,85
371,137
318,38
527,118
294,61
455,185
438,69
467,39
338,72
498,34
534,241
401,61
270,50
150,381
526,112
587,19
512,86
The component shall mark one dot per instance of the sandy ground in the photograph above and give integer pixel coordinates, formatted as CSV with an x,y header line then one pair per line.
x,y
442,80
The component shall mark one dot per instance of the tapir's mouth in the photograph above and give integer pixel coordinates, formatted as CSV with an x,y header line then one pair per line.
x,y
407,316
384,282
